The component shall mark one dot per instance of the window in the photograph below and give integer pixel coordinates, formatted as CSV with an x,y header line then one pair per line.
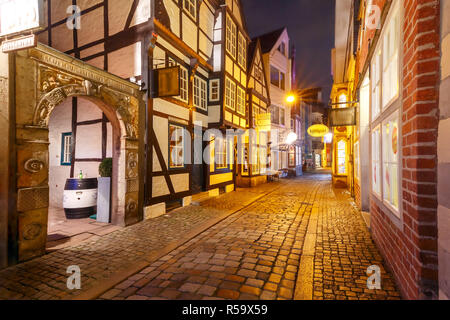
x,y
391,42
230,94
221,153
66,149
385,105
231,37
275,114
390,161
277,78
376,161
357,162
242,51
200,93
282,116
183,84
282,48
240,101
214,90
176,146
376,85
190,6
292,156
342,157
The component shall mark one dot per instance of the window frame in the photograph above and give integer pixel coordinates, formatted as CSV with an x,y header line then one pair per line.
x,y
214,83
200,93
64,135
221,151
231,104
242,50
386,112
240,100
231,36
191,4
183,146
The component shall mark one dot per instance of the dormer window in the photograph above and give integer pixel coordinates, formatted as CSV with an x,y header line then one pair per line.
x,y
282,48
190,6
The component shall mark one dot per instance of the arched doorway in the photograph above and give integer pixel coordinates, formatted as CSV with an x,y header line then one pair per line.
x,y
81,137
47,79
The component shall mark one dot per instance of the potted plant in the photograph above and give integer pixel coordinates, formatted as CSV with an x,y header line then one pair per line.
x,y
104,191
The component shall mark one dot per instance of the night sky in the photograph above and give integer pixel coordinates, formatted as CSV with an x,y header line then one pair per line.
x,y
310,26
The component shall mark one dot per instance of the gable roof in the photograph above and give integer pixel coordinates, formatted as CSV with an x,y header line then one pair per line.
x,y
253,49
269,40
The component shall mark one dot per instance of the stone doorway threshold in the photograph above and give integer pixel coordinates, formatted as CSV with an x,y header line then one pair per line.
x,y
63,233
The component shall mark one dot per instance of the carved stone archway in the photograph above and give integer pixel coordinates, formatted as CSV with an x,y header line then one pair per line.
x,y
46,78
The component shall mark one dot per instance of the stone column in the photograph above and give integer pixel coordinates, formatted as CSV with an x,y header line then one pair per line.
x,y
5,122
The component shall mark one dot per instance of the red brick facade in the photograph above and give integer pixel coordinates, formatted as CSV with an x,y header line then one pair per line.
x,y
410,249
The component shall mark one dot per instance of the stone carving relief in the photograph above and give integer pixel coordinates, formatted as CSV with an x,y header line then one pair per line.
x,y
132,165
131,207
56,86
32,231
34,166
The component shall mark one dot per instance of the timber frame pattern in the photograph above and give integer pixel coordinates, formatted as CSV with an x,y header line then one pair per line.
x,y
52,77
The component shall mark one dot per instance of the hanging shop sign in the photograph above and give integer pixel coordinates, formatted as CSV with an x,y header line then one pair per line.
x,y
167,82
19,43
342,117
264,121
20,16
318,145
318,130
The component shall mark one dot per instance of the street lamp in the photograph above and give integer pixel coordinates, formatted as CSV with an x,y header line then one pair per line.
x,y
290,98
291,138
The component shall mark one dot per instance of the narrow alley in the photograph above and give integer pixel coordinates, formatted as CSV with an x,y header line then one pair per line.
x,y
294,239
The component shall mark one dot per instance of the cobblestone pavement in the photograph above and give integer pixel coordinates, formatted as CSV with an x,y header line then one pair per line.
x,y
117,253
304,240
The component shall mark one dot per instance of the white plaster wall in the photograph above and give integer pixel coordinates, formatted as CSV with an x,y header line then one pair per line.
x,y
126,62
60,122
88,145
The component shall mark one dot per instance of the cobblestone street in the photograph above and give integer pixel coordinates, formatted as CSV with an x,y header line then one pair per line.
x,y
296,238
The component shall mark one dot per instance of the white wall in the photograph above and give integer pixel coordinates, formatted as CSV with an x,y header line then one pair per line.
x,y
88,145
60,122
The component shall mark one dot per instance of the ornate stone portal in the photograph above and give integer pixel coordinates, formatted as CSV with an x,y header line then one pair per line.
x,y
45,78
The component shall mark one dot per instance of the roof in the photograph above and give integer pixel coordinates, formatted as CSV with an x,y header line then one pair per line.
x,y
269,40
251,52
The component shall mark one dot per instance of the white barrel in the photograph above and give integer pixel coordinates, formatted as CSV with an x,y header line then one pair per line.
x,y
80,198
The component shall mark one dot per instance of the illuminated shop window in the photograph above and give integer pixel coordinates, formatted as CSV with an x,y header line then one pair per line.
x,y
342,157
390,161
376,161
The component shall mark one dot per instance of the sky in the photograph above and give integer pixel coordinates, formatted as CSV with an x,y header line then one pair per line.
x,y
310,26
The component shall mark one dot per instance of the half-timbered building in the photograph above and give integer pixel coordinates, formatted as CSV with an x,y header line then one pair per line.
x,y
205,41
252,170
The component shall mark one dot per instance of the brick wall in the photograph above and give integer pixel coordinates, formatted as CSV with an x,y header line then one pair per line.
x,y
411,249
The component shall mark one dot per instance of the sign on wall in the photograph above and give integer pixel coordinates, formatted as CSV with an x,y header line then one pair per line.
x,y
19,43
318,130
264,121
167,82
19,16
342,117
